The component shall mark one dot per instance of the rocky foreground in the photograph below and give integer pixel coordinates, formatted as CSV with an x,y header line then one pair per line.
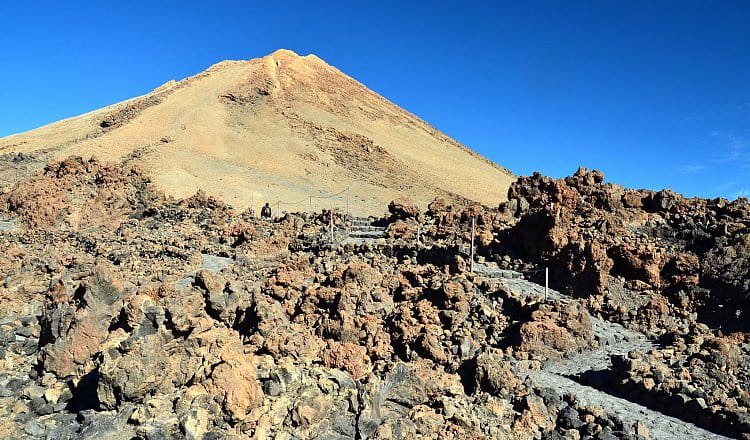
x,y
127,314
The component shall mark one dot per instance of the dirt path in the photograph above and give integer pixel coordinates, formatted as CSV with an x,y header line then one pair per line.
x,y
613,339
659,425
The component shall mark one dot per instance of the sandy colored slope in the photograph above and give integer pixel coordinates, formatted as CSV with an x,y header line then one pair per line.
x,y
282,127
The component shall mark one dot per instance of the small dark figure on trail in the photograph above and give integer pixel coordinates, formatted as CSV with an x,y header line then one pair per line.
x,y
265,212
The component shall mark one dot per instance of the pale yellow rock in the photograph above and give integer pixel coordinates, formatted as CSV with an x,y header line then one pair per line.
x,y
53,393
195,424
641,429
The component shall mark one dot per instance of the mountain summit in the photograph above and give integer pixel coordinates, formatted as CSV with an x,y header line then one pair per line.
x,y
279,128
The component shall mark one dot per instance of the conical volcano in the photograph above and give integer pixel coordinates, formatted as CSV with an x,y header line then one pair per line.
x,y
282,128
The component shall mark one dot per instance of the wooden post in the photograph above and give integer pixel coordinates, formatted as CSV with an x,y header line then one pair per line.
x,y
546,283
473,227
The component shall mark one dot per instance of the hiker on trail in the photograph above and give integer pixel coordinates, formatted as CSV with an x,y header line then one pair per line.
x,y
265,212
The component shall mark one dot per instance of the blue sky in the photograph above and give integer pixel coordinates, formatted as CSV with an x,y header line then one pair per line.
x,y
656,93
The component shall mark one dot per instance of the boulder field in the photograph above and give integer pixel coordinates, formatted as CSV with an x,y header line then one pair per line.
x,y
129,314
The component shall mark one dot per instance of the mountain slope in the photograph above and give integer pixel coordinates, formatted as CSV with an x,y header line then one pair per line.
x,y
282,127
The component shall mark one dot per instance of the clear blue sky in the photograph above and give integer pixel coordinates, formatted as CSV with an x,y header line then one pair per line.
x,y
654,93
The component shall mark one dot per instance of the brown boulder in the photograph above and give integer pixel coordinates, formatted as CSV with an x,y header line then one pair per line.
x,y
402,229
632,199
403,209
233,381
348,357
494,375
641,263
555,332
437,206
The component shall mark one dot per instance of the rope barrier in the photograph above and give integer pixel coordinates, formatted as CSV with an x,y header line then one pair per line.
x,y
308,199
332,195
294,203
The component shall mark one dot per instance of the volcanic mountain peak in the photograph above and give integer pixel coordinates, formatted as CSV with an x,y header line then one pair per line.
x,y
281,54
282,128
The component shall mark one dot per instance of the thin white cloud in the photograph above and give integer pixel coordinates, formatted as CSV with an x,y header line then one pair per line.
x,y
733,149
727,186
727,156
731,158
691,168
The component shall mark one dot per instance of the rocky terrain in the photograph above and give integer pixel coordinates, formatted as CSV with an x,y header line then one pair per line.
x,y
131,314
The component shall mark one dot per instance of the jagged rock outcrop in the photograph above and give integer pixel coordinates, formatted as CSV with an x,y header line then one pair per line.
x,y
588,231
79,193
76,323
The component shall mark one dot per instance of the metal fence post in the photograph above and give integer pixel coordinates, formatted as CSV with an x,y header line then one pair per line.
x,y
473,226
348,193
331,216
